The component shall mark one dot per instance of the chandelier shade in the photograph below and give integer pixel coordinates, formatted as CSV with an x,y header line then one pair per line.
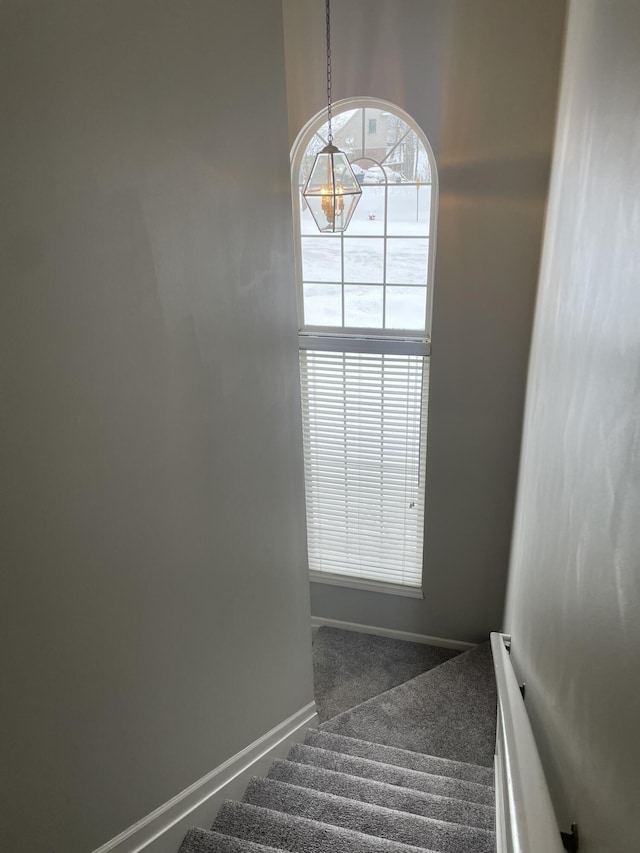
x,y
332,190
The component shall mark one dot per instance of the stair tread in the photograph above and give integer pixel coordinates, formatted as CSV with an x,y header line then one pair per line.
x,y
373,820
392,774
300,834
431,764
205,841
374,792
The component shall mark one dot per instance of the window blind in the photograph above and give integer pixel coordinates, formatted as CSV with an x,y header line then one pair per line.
x,y
364,429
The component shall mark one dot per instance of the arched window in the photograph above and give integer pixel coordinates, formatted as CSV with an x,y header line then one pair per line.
x,y
364,303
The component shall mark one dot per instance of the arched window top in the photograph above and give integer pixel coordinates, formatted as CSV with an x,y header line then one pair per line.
x,y
376,278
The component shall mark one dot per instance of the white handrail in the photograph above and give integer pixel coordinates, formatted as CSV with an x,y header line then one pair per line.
x,y
525,820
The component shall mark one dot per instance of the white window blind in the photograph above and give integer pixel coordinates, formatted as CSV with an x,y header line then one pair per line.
x,y
364,427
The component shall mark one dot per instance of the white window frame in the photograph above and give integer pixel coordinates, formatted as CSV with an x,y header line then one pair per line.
x,y
348,339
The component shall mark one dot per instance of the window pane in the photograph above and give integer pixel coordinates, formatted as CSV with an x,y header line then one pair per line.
x,y
394,174
321,259
322,304
374,174
407,261
423,167
363,260
375,133
409,209
405,307
347,131
397,129
315,146
369,214
363,306
307,223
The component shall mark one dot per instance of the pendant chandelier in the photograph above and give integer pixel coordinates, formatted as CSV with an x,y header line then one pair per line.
x,y
332,190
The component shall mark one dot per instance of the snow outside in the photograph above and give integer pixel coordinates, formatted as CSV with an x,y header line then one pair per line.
x,y
356,262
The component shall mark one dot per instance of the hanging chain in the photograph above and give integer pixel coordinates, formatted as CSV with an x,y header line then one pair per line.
x,y
330,134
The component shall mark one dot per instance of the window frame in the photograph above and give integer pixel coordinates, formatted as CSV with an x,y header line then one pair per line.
x,y
362,340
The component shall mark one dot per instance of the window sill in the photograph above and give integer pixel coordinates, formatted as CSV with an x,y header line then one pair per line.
x,y
369,585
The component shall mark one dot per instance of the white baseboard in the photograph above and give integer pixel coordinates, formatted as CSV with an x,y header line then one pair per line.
x,y
443,642
162,831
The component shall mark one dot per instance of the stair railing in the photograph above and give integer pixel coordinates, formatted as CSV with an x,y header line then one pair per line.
x,y
525,820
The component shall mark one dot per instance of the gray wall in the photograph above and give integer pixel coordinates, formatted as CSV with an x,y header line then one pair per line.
x,y
481,78
154,615
573,605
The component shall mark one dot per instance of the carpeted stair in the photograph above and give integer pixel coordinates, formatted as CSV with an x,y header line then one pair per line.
x,y
339,793
449,711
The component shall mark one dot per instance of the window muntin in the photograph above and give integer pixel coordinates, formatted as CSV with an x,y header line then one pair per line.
x,y
365,317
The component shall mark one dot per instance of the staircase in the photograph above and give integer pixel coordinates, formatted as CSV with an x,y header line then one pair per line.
x,y
343,794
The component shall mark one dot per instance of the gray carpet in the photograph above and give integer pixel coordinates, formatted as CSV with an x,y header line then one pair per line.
x,y
396,757
362,817
449,711
299,835
200,841
350,667
363,768
383,794
365,781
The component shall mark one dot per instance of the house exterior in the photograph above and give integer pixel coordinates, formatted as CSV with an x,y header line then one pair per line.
x,y
155,603
374,132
